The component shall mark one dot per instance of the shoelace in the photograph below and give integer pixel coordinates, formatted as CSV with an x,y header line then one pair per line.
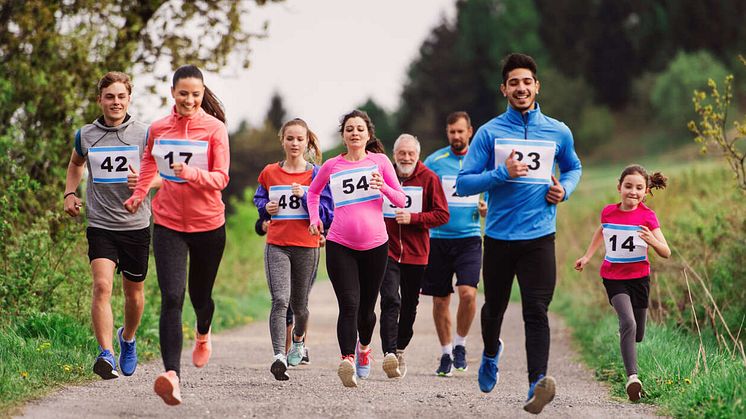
x,y
365,357
350,358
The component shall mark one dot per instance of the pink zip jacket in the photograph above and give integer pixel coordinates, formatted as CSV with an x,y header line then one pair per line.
x,y
359,225
194,205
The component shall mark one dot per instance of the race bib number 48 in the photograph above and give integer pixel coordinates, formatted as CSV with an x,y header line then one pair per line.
x,y
537,154
290,207
168,152
413,201
111,164
623,244
353,186
453,199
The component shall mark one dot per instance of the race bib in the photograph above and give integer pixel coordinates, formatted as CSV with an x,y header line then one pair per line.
x,y
111,164
168,152
353,186
290,206
537,154
413,201
454,200
623,244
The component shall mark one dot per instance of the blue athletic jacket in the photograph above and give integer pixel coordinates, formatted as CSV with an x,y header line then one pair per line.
x,y
518,211
464,221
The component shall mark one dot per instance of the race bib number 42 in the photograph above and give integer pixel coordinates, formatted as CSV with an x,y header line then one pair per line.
x,y
623,244
453,199
413,201
537,154
168,152
111,164
290,207
353,186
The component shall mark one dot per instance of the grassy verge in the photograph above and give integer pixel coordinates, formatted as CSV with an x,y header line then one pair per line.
x,y
686,373
42,351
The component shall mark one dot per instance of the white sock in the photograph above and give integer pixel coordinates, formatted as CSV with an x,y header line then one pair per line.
x,y
446,349
459,340
281,357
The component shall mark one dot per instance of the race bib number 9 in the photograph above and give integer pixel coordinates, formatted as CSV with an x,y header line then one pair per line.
x,y
623,244
111,164
413,201
537,154
290,207
168,152
353,186
453,199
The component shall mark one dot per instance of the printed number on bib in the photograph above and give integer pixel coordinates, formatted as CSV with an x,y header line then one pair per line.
x,y
623,244
290,207
353,186
167,152
453,199
412,204
537,154
111,164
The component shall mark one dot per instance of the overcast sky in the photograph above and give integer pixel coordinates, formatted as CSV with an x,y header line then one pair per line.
x,y
324,57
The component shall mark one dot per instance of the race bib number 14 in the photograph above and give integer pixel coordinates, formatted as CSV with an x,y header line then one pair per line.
x,y
623,244
353,186
168,152
537,154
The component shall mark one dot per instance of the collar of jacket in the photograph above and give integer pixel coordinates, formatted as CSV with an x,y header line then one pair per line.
x,y
176,115
529,118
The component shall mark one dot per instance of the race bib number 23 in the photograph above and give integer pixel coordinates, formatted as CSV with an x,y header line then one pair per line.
x,y
537,154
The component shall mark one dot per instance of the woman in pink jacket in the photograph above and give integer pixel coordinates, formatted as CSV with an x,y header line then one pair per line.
x,y
190,150
357,243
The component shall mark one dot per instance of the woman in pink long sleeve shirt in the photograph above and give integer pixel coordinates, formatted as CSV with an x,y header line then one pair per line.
x,y
357,243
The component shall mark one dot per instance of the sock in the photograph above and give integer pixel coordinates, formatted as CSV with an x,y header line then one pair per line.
x,y
459,340
447,349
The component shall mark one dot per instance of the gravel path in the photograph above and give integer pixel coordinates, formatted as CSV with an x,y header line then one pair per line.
x,y
237,382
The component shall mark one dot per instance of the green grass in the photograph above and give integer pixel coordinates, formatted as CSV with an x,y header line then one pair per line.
x,y
41,352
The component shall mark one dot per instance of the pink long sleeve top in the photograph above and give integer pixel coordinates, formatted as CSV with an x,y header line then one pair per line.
x,y
358,218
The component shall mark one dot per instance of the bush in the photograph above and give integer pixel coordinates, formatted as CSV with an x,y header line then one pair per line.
x,y
596,127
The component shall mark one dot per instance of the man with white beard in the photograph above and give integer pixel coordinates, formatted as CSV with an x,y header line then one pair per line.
x,y
409,246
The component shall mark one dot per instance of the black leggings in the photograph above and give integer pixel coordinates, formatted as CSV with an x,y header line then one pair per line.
x,y
170,248
534,263
356,276
398,312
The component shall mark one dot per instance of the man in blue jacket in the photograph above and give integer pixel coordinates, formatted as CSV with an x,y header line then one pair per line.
x,y
513,157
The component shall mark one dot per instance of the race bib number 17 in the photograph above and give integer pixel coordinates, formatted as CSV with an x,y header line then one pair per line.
x,y
168,152
353,186
623,244
537,154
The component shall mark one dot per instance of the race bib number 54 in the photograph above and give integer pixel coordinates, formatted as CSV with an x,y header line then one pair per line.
x,y
353,186
537,154
167,152
623,244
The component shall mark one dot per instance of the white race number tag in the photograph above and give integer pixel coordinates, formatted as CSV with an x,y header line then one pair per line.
x,y
167,152
413,201
290,207
537,154
623,244
454,200
111,164
353,186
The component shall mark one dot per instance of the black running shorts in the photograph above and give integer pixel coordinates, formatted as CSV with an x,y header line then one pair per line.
x,y
637,289
129,249
462,257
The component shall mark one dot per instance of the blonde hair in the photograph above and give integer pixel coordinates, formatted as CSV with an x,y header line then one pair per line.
x,y
313,140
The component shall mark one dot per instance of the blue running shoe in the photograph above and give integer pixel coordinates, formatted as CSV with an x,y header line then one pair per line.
x,y
489,374
540,393
362,362
127,354
444,369
105,365
459,358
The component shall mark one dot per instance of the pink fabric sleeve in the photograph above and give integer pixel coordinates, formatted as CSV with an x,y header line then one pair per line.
x,y
652,220
391,186
148,170
217,177
314,191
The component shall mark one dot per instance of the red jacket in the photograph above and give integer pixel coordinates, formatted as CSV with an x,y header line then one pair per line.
x,y
410,243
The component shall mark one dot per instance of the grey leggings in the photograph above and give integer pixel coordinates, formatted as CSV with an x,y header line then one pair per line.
x,y
631,329
290,271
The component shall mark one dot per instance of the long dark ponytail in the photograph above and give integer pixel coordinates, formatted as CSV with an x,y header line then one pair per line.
x,y
210,103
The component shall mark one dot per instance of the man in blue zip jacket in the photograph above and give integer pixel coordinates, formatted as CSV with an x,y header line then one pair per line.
x,y
513,157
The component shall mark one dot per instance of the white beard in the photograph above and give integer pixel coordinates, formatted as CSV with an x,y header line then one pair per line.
x,y
406,170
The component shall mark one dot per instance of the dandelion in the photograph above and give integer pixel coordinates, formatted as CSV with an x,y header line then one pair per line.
x,y
44,346
669,382
67,367
24,374
687,381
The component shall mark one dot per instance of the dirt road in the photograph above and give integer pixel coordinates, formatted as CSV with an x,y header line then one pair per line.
x,y
237,381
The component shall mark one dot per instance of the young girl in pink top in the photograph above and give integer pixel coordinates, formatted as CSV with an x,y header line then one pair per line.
x,y
357,243
190,150
627,229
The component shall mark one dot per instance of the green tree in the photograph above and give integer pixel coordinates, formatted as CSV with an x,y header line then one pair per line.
x,y
384,122
277,113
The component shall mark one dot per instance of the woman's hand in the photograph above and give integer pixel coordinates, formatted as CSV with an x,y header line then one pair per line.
x,y
315,230
132,204
376,181
272,208
297,190
178,168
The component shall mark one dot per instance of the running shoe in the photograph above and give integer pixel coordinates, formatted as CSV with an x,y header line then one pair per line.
x,y
346,371
127,354
402,364
634,388
167,387
540,393
105,365
489,374
306,360
362,362
202,349
459,358
295,355
444,370
391,365
279,368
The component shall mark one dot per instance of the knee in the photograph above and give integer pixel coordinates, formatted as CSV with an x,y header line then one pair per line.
x,y
101,289
172,299
467,295
627,324
280,303
441,303
133,294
